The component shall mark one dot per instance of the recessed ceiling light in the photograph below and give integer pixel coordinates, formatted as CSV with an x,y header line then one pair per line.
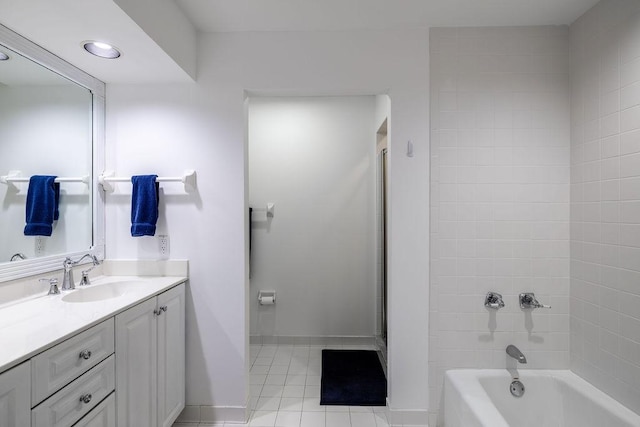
x,y
103,50
3,56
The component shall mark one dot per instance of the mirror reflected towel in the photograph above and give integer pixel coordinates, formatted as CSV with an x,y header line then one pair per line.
x,y
144,205
43,197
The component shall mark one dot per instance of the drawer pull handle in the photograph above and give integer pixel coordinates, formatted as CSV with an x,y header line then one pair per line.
x,y
163,308
85,398
85,354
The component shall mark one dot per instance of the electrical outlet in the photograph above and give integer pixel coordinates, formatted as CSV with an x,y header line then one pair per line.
x,y
39,246
163,241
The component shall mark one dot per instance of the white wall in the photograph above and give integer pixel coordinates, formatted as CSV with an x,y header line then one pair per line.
x,y
167,128
605,199
45,130
500,197
314,157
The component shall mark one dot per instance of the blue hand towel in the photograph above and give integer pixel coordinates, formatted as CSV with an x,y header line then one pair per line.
x,y
43,196
144,205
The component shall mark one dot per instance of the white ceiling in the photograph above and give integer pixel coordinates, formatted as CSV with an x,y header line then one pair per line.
x,y
61,26
153,51
326,15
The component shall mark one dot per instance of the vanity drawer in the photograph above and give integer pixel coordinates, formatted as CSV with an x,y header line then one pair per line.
x,y
103,415
58,366
67,406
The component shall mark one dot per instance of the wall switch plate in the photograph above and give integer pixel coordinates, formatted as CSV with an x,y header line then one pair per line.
x,y
163,241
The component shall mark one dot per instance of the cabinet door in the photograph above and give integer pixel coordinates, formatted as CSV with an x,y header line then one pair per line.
x,y
136,364
15,396
171,349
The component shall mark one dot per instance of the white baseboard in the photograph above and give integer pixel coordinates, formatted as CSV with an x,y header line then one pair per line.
x,y
410,417
305,340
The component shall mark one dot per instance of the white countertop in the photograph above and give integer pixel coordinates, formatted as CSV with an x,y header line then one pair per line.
x,y
30,326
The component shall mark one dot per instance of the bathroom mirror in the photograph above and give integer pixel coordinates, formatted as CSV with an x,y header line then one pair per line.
x,y
51,123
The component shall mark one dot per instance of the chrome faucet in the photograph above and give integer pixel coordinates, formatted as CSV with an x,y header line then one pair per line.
x,y
67,279
16,256
85,273
528,300
493,300
53,286
513,351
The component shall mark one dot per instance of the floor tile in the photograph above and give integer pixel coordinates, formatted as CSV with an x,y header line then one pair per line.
x,y
291,404
263,361
361,408
296,368
293,391
271,390
285,392
255,389
381,419
312,419
268,404
362,419
338,419
312,404
275,379
336,408
260,369
263,419
312,391
288,419
279,369
296,380
313,380
257,378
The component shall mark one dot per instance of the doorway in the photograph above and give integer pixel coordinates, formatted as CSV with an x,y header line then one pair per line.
x,y
312,190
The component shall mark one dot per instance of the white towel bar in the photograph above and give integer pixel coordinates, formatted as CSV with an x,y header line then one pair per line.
x,y
188,179
15,176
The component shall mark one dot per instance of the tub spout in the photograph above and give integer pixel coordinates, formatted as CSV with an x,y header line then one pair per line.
x,y
513,351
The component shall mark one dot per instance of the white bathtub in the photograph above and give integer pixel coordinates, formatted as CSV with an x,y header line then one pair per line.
x,y
481,398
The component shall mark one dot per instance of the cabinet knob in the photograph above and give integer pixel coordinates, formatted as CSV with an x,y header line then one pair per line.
x,y
85,398
85,354
158,311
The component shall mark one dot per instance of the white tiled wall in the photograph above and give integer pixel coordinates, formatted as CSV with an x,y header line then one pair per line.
x,y
605,199
500,197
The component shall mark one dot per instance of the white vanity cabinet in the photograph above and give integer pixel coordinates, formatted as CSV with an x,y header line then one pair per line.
x,y
150,361
15,396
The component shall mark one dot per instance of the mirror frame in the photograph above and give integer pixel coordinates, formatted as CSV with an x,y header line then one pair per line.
x,y
29,267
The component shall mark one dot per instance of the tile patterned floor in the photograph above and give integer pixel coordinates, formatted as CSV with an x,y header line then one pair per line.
x,y
285,392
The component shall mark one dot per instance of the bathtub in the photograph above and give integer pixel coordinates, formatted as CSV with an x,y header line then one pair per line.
x,y
558,398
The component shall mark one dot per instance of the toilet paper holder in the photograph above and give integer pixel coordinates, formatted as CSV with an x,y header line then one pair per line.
x,y
266,297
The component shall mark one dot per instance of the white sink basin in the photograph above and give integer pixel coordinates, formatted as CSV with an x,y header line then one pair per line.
x,y
93,293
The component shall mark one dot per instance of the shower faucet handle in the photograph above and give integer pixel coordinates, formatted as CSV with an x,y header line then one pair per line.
x,y
493,300
528,300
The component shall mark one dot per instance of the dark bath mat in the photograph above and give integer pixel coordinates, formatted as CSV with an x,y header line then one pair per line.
x,y
352,377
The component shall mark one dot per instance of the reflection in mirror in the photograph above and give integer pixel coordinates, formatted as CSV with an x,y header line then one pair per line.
x,y
45,129
51,123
